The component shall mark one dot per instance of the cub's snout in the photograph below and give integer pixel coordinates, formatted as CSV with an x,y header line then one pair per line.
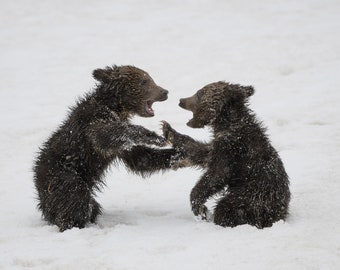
x,y
188,103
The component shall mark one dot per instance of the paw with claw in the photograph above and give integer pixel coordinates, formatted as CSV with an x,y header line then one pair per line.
x,y
200,210
172,136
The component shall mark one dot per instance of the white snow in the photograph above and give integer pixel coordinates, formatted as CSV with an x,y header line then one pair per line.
x,y
289,50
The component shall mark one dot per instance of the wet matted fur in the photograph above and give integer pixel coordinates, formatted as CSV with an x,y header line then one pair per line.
x,y
239,162
71,164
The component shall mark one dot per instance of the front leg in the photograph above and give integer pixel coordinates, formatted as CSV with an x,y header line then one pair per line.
x,y
112,137
145,161
197,152
209,185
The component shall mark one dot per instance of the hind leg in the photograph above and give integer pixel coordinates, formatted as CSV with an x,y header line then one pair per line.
x,y
68,202
74,209
96,210
230,211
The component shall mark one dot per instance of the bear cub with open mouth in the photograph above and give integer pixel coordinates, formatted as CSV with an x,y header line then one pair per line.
x,y
71,164
239,162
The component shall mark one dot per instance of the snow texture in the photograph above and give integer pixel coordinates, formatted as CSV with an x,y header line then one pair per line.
x,y
288,50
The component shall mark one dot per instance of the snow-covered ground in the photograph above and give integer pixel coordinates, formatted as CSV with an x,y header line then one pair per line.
x,y
290,52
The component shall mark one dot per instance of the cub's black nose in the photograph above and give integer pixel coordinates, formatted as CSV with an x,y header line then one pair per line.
x,y
181,103
163,94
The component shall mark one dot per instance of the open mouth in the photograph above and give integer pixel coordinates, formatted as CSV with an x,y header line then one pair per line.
x,y
148,107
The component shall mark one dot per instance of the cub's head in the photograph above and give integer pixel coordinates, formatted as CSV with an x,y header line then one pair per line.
x,y
212,100
130,88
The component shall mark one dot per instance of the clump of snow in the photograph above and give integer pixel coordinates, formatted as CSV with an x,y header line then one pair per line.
x,y
290,52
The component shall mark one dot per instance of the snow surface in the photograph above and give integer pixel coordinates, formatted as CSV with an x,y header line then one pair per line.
x,y
290,52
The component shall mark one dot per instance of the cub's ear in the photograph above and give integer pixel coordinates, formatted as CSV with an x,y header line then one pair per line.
x,y
102,75
247,91
239,92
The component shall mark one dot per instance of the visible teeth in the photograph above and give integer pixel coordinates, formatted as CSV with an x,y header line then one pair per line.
x,y
149,108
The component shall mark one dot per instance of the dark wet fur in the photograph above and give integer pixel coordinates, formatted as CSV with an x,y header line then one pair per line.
x,y
71,164
239,162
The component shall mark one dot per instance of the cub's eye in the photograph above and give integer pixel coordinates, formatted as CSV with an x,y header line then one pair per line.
x,y
143,82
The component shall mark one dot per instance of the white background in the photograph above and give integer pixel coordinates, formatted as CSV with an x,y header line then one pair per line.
x,y
288,50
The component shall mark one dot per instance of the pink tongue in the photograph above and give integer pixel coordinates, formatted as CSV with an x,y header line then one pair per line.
x,y
149,110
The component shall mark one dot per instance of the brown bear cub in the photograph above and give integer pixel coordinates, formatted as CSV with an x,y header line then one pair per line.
x,y
239,163
97,131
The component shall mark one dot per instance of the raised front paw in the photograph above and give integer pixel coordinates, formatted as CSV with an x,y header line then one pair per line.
x,y
152,138
168,131
171,135
179,160
157,141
